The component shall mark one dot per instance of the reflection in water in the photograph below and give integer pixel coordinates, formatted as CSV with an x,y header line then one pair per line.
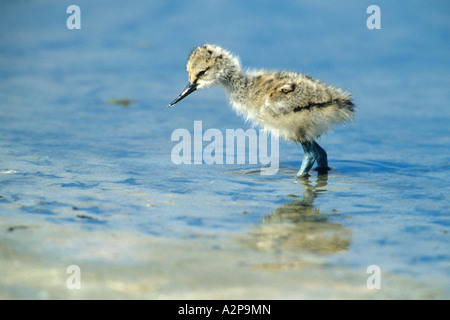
x,y
299,227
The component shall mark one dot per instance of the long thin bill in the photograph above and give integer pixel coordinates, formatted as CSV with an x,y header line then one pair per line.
x,y
187,91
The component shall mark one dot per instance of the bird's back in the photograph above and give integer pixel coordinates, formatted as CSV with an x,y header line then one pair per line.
x,y
298,106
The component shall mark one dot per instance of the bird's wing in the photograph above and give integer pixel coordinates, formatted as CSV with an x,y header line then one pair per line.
x,y
293,95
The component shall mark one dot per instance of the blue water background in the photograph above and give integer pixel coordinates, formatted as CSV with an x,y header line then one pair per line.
x,y
71,158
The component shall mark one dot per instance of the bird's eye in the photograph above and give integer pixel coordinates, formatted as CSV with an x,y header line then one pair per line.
x,y
201,73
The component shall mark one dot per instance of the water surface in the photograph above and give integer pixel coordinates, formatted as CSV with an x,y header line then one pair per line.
x,y
86,176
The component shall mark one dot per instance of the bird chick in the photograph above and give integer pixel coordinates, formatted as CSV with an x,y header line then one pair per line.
x,y
292,105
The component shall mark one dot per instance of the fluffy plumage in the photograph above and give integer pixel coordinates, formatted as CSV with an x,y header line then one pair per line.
x,y
293,105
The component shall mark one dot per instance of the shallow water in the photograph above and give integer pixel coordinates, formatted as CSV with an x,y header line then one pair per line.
x,y
86,177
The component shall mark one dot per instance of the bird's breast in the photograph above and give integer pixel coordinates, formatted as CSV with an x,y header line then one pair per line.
x,y
249,112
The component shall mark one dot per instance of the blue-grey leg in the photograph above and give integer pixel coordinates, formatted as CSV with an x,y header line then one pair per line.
x,y
308,159
321,157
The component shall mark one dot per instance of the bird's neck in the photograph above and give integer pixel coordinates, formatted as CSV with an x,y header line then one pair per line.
x,y
235,82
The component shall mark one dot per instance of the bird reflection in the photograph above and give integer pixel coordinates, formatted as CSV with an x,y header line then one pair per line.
x,y
300,227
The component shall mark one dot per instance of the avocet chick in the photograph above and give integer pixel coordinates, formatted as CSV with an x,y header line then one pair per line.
x,y
293,105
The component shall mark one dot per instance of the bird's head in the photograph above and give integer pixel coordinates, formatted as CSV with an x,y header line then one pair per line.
x,y
208,65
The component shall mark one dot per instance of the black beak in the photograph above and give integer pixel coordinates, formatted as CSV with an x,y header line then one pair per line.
x,y
187,91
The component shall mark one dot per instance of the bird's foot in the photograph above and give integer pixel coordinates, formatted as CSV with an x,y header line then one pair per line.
x,y
302,174
323,170
308,160
313,153
320,156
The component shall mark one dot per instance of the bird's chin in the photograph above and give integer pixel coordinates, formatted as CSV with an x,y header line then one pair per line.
x,y
204,84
